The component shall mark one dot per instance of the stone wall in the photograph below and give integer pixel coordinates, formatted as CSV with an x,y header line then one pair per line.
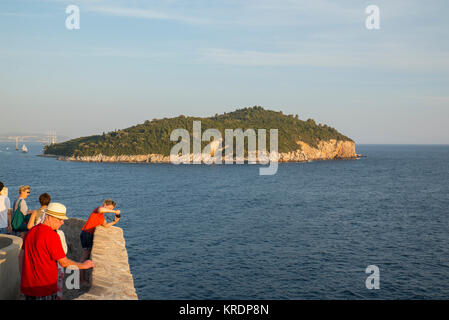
x,y
111,276
9,271
72,229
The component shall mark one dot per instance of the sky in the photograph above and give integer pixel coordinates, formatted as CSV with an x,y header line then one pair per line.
x,y
132,61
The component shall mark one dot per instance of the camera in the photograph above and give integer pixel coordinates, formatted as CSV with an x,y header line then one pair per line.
x,y
117,215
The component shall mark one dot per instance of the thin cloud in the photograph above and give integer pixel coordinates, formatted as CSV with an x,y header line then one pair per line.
x,y
435,99
259,58
24,15
94,52
235,13
144,14
405,61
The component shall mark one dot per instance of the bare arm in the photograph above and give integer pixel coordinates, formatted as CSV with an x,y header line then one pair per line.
x,y
106,210
9,220
107,225
110,224
31,222
65,262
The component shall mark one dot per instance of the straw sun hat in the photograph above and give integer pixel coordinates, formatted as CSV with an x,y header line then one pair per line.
x,y
57,210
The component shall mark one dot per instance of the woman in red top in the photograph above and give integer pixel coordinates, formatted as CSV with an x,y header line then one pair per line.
x,y
96,219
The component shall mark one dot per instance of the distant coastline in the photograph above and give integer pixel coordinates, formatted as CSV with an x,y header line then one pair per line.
x,y
326,150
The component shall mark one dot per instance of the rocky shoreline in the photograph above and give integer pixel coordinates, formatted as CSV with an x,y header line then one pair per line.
x,y
326,150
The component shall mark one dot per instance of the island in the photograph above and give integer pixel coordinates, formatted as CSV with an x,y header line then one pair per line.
x,y
298,140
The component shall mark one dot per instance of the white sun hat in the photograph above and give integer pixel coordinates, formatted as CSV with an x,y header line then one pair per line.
x,y
57,210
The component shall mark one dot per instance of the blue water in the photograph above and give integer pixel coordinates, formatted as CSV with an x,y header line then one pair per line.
x,y
308,232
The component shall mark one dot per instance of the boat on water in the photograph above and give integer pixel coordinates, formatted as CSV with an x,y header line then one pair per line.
x,y
24,148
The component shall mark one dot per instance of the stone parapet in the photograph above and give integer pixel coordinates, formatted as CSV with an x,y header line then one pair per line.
x,y
9,262
111,276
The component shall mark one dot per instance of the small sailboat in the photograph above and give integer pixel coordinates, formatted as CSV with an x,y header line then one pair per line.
x,y
24,148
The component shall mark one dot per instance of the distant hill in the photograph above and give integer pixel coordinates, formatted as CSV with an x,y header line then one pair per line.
x,y
153,137
29,137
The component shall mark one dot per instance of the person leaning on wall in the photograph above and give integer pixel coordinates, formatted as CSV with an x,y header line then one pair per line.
x,y
96,219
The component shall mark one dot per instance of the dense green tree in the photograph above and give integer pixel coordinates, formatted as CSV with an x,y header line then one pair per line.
x,y
154,136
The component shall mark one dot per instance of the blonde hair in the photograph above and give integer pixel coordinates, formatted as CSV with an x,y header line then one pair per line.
x,y
24,188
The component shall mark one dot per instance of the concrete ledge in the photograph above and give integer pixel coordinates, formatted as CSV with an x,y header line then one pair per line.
x,y
111,276
9,272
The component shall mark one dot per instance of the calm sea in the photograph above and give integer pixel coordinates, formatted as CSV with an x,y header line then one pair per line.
x,y
308,232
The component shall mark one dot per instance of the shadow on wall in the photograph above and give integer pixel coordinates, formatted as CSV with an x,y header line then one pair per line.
x,y
72,229
9,272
